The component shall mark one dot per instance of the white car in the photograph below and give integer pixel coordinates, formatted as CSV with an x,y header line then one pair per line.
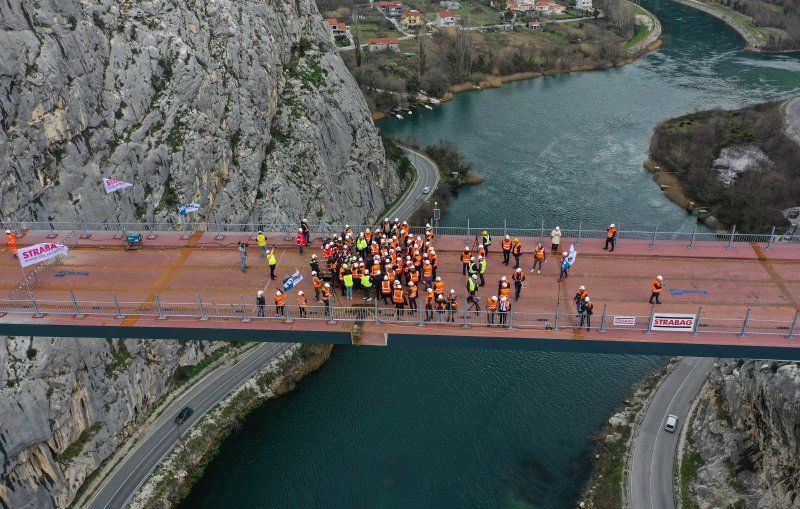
x,y
426,190
672,423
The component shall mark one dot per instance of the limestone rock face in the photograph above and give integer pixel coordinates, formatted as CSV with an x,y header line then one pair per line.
x,y
747,430
241,106
66,403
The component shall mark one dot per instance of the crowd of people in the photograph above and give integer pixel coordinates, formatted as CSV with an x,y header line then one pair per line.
x,y
389,263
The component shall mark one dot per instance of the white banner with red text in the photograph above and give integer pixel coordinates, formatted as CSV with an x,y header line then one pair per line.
x,y
112,185
40,253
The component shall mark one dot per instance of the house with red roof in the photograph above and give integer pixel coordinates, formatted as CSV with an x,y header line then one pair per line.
x,y
446,18
384,44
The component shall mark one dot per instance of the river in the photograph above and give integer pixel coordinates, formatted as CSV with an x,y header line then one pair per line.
x,y
436,428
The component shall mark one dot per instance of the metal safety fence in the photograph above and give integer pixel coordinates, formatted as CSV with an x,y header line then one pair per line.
x,y
84,230
464,315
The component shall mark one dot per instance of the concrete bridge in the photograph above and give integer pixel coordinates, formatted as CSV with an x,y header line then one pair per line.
x,y
737,295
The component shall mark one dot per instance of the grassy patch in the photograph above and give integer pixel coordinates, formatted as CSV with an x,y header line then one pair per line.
x,y
119,362
608,488
185,373
639,34
77,446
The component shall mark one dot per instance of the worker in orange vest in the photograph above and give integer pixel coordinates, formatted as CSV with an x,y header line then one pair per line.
x,y
580,295
412,293
538,258
429,303
11,242
465,260
326,298
399,299
611,237
280,303
438,286
452,306
516,250
302,302
506,245
587,310
658,284
317,282
441,306
386,289
518,277
491,309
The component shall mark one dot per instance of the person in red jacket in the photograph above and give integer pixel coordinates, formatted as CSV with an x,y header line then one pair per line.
x,y
301,240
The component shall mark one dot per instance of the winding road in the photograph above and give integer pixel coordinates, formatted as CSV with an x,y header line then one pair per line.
x,y
653,457
163,434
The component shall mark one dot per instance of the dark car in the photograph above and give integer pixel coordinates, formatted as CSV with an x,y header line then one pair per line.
x,y
794,213
183,415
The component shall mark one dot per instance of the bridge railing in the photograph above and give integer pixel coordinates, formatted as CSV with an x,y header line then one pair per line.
x,y
83,230
562,317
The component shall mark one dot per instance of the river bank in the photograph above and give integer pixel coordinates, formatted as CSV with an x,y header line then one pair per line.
x,y
754,40
605,487
178,472
736,165
552,50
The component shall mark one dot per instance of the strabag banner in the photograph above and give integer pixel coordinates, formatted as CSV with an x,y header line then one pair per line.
x,y
40,252
112,185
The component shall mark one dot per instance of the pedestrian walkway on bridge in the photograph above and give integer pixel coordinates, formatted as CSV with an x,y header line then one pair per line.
x,y
179,284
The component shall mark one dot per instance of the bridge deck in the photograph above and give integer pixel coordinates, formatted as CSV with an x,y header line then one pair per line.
x,y
724,282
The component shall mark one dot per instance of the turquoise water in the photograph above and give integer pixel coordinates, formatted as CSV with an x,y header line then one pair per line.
x,y
425,428
440,428
569,149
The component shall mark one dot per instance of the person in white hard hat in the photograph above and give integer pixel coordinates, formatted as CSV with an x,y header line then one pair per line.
x,y
280,303
302,302
578,298
587,310
260,302
326,298
504,306
611,237
655,290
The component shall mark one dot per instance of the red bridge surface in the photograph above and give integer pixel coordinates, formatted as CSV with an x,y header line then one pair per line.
x,y
171,271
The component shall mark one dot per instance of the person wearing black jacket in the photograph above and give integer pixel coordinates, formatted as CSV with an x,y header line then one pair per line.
x,y
260,302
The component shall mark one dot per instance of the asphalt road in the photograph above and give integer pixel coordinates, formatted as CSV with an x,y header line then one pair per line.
x,y
427,176
163,434
653,458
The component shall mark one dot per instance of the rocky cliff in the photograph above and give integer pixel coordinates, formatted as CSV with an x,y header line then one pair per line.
x,y
241,106
747,431
66,403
